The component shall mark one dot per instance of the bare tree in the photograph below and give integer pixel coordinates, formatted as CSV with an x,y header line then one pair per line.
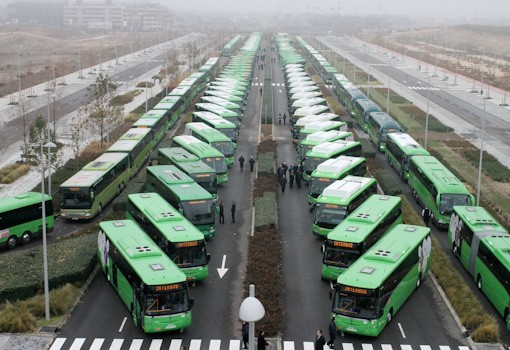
x,y
77,124
38,135
102,115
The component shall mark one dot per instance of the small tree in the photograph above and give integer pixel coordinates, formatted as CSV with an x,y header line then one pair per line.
x,y
102,116
38,135
76,138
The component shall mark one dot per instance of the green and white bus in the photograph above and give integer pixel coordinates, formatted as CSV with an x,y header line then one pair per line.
x,y
400,148
303,95
174,234
227,114
185,94
294,88
184,194
226,127
332,170
302,122
328,150
352,94
172,107
234,107
85,194
156,125
202,173
482,245
369,293
317,138
307,102
151,286
306,111
436,188
362,108
213,137
340,199
137,143
358,232
21,218
207,154
325,125
379,126
232,90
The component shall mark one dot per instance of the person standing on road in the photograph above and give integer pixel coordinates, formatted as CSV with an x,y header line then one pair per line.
x,y
233,211
260,91
425,214
291,177
320,341
261,341
283,182
332,333
241,162
222,213
284,117
298,175
245,333
252,163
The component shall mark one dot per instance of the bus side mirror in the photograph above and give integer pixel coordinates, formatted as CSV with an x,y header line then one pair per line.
x,y
191,302
323,247
208,257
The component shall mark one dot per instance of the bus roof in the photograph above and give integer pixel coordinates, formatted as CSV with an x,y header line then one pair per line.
x,y
324,136
194,144
154,113
408,144
366,104
189,81
168,220
310,110
306,94
355,93
180,90
384,119
342,190
479,219
145,122
327,148
145,258
315,118
224,95
384,257
134,134
169,174
364,219
94,171
321,125
443,178
178,154
196,167
333,167
190,192
20,200
212,107
105,161
308,102
216,120
212,133
221,102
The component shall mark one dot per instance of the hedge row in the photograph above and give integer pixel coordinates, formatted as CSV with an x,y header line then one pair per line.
x,y
266,210
265,163
490,165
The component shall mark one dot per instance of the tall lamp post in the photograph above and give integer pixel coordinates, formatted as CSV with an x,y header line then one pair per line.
x,y
48,145
427,115
251,311
53,97
481,158
146,101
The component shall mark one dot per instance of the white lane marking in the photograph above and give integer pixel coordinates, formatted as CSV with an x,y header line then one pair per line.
x,y
97,343
195,344
175,344
77,344
406,347
367,346
386,347
401,330
122,325
444,347
156,344
347,346
215,344
235,344
116,344
136,344
58,343
288,345
308,345
425,347
467,347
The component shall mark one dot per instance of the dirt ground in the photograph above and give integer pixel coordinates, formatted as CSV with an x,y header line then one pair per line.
x,y
35,51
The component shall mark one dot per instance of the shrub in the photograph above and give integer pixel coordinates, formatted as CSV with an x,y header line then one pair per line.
x,y
121,100
265,163
266,210
490,165
11,173
264,183
93,150
14,319
144,84
388,184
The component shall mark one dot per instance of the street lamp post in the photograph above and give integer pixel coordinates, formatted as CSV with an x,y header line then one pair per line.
x,y
80,74
45,250
251,311
52,96
427,115
481,158
146,101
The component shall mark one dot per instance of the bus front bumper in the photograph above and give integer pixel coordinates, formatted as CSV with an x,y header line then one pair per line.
x,y
331,273
222,178
70,214
207,230
319,231
197,273
155,324
371,328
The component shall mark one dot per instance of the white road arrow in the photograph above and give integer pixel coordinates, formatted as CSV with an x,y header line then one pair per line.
x,y
222,271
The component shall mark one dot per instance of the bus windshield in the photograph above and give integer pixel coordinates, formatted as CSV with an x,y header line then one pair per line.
x,y
317,185
329,215
75,198
447,201
189,254
340,257
312,163
207,181
217,164
224,147
167,303
199,212
355,305
230,133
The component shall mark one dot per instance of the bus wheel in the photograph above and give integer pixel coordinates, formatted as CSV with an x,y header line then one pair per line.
x,y
479,282
389,316
122,186
12,242
118,191
100,208
26,238
454,249
418,281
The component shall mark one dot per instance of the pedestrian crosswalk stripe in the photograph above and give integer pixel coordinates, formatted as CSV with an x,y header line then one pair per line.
x,y
57,344
215,344
288,345
463,347
386,347
308,345
175,344
348,346
116,344
97,343
444,347
77,343
367,346
156,344
406,347
425,347
136,344
234,344
195,344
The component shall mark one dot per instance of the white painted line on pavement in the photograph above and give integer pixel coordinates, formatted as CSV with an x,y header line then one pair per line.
x,y
444,347
58,343
367,346
308,345
288,345
347,346
425,347
116,344
97,343
156,344
215,344
386,347
402,331
77,344
406,347
235,344
122,325
195,344
136,344
175,344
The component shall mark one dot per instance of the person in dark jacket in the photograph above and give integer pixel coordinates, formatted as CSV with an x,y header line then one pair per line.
x,y
283,182
245,333
261,341
291,177
241,162
233,211
222,213
320,341
332,333
252,163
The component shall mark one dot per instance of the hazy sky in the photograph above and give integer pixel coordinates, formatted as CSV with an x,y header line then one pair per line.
x,y
434,8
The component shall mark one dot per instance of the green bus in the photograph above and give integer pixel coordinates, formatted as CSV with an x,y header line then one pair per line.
x,y
338,200
304,121
328,150
358,232
85,194
225,113
369,293
213,137
156,125
182,242
436,188
362,108
151,286
325,125
21,218
200,172
225,96
137,143
307,102
332,170
221,124
295,88
303,95
379,125
482,245
317,138
172,107
400,148
340,85
306,111
232,90
234,107
184,194
207,153
185,93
